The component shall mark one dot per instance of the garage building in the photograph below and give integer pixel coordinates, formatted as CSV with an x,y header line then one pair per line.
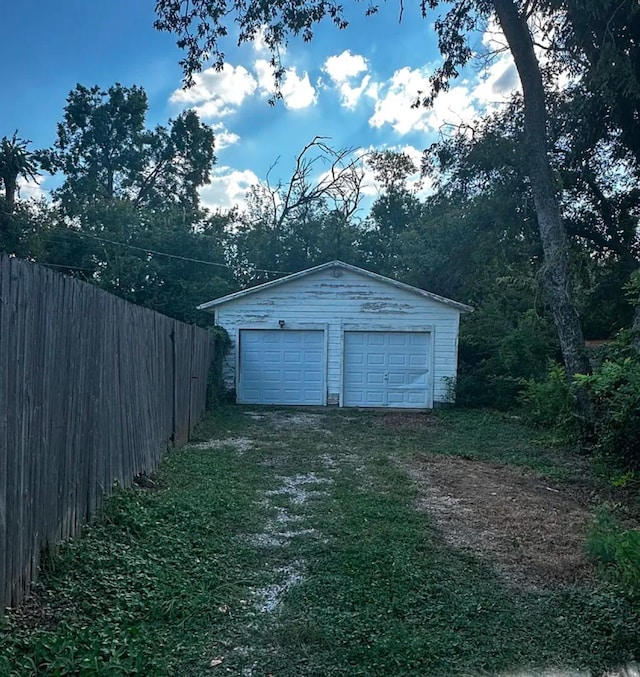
x,y
339,335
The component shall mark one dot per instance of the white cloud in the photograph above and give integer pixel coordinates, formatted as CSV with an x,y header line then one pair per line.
x,y
345,66
259,43
393,101
507,80
464,102
223,137
297,90
228,187
350,95
493,39
217,93
343,69
29,189
264,73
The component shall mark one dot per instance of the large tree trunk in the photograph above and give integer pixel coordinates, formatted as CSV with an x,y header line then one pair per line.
x,y
10,190
552,231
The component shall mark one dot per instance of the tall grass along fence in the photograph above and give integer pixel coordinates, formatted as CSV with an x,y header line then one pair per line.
x,y
92,390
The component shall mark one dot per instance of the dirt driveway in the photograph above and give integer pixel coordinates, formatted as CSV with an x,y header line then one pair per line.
x,y
525,527
530,528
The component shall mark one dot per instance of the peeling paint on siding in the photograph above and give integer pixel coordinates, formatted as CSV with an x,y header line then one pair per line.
x,y
385,306
254,319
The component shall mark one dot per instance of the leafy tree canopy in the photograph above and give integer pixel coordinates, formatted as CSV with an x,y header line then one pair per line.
x,y
105,151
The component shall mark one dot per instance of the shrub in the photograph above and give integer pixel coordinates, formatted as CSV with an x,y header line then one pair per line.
x,y
552,403
221,343
615,391
498,353
617,550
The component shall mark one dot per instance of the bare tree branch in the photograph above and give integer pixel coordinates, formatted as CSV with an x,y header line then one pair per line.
x,y
339,184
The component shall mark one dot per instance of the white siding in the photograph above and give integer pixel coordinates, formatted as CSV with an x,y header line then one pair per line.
x,y
348,301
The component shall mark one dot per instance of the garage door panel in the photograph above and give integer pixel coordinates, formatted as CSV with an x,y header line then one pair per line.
x,y
373,398
387,369
397,379
408,400
374,379
268,375
281,366
399,340
418,398
355,378
376,359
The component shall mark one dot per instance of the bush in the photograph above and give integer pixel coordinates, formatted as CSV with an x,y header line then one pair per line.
x,y
479,386
499,352
617,550
552,403
615,392
221,345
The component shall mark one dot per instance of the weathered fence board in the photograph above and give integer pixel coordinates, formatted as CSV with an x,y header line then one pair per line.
x,y
92,390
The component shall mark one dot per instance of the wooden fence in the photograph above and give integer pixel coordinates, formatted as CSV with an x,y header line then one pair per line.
x,y
93,389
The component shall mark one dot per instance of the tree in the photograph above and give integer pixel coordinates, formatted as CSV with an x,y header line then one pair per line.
x,y
200,26
396,212
599,41
302,221
338,183
105,152
129,215
16,161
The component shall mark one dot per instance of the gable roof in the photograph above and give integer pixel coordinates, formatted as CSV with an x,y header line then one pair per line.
x,y
335,264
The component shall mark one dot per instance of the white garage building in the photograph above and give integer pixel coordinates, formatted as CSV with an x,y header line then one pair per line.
x,y
337,334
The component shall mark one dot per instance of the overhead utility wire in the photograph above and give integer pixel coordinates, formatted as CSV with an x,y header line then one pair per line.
x,y
146,250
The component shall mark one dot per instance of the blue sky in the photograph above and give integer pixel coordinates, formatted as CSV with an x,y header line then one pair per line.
x,y
354,86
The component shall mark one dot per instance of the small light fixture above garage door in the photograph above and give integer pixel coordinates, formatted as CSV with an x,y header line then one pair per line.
x,y
281,324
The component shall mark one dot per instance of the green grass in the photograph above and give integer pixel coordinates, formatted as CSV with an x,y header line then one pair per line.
x,y
167,579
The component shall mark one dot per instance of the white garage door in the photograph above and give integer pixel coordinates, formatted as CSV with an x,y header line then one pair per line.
x,y
387,369
281,366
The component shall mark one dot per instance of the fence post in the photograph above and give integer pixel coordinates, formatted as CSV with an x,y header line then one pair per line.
x,y
174,376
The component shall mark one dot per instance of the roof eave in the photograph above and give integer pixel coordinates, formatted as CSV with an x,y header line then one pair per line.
x,y
211,305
